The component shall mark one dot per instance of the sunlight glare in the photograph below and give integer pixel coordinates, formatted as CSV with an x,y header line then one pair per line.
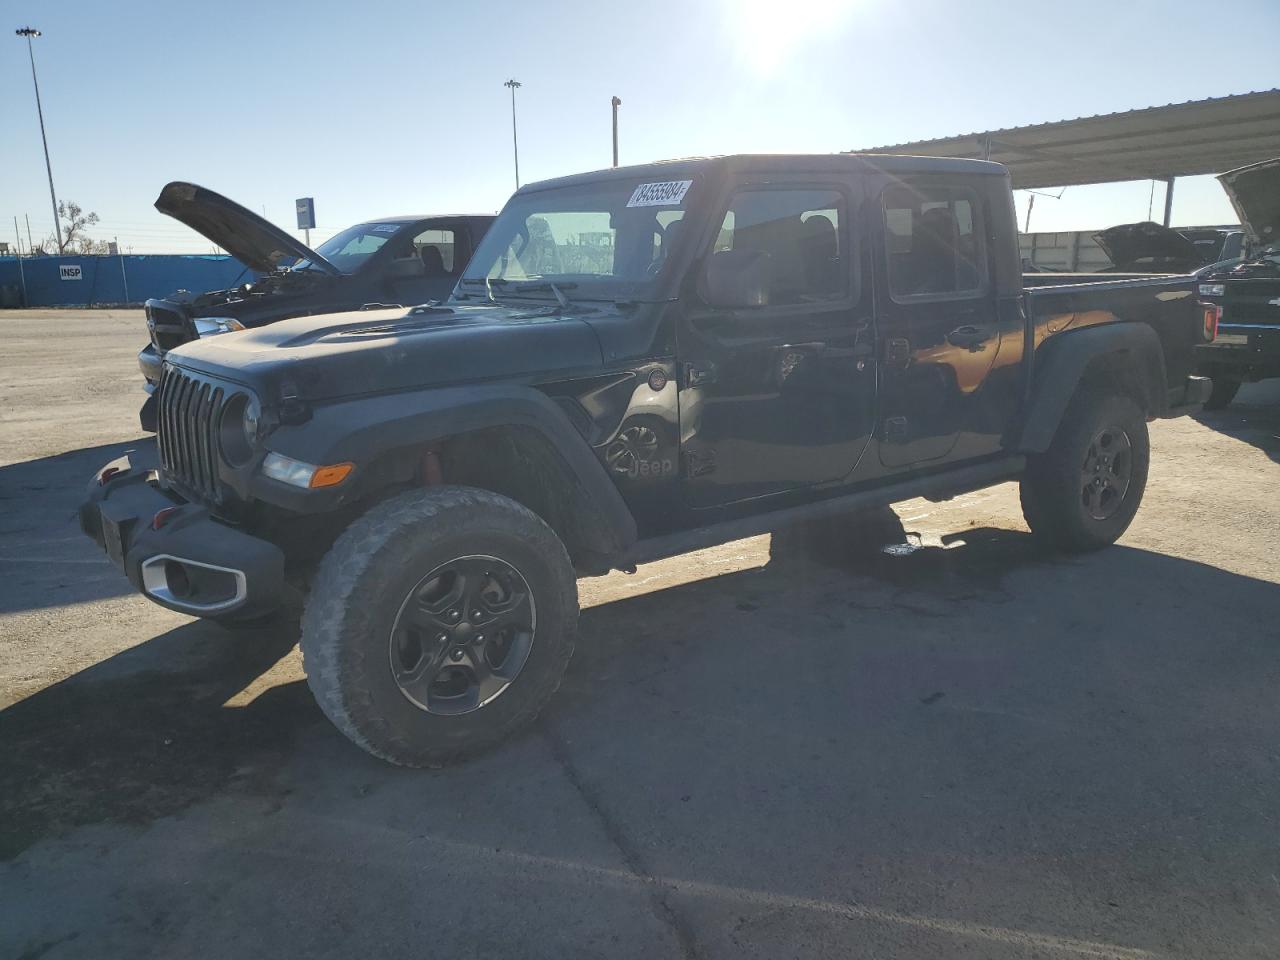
x,y
768,33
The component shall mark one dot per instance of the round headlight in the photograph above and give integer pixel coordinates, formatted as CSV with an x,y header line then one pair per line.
x,y
239,431
249,422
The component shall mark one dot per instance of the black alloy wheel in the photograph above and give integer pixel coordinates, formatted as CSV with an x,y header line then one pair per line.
x,y
462,635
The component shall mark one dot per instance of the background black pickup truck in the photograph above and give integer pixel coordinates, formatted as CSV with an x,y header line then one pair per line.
x,y
395,260
1248,291
636,363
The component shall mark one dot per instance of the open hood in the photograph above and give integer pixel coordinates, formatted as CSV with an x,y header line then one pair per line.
x,y
258,244
1255,193
1129,243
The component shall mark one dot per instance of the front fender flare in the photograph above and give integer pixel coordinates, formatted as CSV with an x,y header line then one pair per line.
x,y
1060,364
363,429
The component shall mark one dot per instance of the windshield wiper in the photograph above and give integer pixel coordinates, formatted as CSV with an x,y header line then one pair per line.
x,y
557,290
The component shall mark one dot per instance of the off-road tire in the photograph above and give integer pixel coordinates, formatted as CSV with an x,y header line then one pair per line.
x,y
358,591
1223,392
1051,489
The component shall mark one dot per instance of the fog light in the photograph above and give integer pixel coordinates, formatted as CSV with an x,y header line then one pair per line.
x,y
175,575
110,472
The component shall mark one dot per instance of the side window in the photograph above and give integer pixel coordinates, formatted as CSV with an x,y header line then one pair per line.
x,y
435,248
804,234
933,241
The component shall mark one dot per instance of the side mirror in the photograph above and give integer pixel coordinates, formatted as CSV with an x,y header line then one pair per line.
x,y
738,278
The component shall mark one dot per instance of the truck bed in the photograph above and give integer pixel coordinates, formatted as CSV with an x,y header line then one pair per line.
x,y
1165,302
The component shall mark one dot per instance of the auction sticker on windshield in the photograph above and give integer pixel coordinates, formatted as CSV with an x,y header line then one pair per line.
x,y
668,193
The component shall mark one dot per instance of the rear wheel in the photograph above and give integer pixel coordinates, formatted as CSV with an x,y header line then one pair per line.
x,y
438,624
1082,493
1223,392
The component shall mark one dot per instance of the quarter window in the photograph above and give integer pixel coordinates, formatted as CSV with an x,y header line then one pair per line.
x,y
933,241
436,250
804,235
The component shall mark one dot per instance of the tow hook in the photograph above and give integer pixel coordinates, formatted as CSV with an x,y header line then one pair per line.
x,y
163,516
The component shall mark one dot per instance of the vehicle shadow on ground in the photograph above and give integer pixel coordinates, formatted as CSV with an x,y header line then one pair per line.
x,y
146,733
1253,418
149,732
45,560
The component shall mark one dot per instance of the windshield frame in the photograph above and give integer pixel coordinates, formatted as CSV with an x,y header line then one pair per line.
x,y
585,286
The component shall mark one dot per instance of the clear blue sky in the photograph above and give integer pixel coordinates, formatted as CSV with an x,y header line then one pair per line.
x,y
396,107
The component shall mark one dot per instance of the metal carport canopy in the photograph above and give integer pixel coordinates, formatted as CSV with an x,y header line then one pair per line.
x,y
1157,143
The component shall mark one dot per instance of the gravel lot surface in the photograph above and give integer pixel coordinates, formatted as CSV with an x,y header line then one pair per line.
x,y
976,750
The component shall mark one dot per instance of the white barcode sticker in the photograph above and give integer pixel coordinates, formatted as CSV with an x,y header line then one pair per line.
x,y
666,194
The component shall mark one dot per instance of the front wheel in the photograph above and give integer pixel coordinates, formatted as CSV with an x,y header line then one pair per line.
x,y
438,624
1082,493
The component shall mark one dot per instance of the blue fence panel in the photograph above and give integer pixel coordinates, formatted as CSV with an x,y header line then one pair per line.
x,y
109,281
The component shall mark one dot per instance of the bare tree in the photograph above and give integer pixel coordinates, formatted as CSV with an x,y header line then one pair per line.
x,y
73,224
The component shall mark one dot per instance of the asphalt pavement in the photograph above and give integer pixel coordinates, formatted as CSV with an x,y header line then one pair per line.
x,y
974,750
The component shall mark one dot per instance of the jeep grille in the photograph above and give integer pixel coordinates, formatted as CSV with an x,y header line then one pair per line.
x,y
187,431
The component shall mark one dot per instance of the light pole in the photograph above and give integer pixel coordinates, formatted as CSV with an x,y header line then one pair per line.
x,y
515,144
616,104
30,32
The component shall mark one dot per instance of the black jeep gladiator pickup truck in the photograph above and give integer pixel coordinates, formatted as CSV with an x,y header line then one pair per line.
x,y
637,362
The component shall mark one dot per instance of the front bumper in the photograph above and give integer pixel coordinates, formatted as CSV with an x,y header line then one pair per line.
x,y
151,363
193,563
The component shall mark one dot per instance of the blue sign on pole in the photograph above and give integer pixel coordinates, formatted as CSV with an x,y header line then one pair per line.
x,y
306,213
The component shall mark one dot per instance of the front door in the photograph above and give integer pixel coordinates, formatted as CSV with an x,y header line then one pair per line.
x,y
779,396
936,316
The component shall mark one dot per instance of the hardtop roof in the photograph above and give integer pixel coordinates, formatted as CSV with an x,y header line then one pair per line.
x,y
797,162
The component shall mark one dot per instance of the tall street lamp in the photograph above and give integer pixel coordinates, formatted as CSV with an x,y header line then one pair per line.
x,y
515,144
30,32
616,104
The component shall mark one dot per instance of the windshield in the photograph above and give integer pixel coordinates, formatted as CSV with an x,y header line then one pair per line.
x,y
603,241
353,246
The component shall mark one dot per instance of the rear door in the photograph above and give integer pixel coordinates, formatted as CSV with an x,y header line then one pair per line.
x,y
778,397
936,314
435,254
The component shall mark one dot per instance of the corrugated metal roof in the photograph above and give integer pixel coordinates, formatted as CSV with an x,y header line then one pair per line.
x,y
1177,140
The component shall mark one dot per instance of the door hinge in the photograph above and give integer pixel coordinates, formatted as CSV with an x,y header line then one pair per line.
x,y
698,376
897,351
895,430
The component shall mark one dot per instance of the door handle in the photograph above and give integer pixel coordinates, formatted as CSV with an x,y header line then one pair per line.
x,y
970,336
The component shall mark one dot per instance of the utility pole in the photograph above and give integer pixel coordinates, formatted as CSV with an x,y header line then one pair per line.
x,y
616,104
30,32
30,246
514,85
22,273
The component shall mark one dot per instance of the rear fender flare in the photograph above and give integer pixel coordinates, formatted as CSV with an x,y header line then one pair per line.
x,y
1061,364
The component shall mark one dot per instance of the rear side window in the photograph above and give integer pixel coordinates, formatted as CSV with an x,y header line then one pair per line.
x,y
933,240
436,249
804,232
